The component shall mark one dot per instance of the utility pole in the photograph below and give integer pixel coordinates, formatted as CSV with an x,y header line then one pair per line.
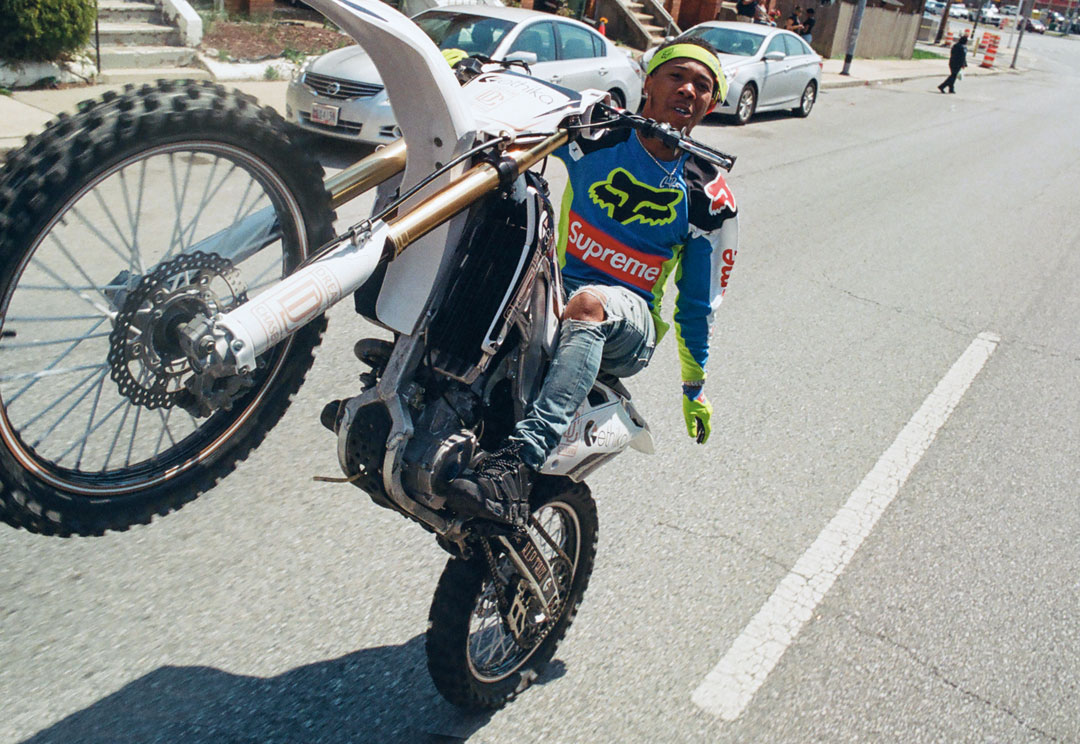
x,y
944,22
853,36
1025,11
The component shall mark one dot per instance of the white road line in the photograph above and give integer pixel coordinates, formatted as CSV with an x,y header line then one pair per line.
x,y
731,685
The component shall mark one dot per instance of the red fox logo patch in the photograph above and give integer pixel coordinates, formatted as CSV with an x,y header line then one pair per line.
x,y
720,196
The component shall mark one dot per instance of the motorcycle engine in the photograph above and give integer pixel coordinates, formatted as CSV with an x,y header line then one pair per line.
x,y
442,446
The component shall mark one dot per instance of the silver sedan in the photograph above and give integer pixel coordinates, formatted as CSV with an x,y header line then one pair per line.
x,y
767,68
341,94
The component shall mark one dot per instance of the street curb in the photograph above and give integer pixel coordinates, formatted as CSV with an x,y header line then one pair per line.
x,y
835,84
880,81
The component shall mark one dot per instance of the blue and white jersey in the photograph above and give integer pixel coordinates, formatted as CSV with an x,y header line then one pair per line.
x,y
631,221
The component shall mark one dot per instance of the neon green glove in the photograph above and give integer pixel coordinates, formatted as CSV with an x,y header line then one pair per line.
x,y
697,410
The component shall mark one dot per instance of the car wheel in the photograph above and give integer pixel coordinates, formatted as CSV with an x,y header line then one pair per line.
x,y
618,100
744,109
806,103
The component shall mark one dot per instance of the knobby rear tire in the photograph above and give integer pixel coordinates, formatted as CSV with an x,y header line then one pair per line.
x,y
461,587
45,181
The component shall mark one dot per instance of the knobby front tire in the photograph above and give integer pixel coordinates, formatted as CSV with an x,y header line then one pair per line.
x,y
89,207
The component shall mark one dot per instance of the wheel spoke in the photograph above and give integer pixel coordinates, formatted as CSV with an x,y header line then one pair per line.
x,y
115,439
178,202
90,421
260,282
55,341
89,431
136,264
80,293
134,432
37,378
47,319
64,415
206,198
97,369
89,225
165,431
48,373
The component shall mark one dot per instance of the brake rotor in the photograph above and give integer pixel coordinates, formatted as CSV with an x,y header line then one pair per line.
x,y
146,361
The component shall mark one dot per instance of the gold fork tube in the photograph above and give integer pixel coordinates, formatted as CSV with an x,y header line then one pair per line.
x,y
367,173
461,193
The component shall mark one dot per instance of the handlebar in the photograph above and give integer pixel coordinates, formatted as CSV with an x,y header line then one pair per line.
x,y
669,135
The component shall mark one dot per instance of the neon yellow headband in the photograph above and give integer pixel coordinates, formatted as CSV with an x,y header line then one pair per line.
x,y
694,52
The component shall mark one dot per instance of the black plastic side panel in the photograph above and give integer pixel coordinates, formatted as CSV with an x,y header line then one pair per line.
x,y
488,264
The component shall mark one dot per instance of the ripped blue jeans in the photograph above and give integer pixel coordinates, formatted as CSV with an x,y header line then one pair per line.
x,y
621,345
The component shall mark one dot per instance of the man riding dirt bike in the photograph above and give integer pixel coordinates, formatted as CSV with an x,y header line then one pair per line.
x,y
636,212
168,256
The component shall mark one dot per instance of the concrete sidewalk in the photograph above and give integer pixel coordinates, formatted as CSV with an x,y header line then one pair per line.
x,y
25,112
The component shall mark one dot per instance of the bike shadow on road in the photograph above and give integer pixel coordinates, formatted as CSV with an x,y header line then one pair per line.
x,y
379,694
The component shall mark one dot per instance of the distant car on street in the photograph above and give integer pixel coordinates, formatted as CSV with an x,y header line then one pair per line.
x,y
990,15
341,94
767,68
934,7
1033,25
959,10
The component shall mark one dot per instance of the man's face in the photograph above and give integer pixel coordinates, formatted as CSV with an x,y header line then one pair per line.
x,y
678,93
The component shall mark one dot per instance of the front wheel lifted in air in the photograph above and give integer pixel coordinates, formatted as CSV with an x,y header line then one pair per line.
x,y
118,225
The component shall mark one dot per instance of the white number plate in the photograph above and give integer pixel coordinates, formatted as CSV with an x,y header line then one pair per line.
x,y
323,114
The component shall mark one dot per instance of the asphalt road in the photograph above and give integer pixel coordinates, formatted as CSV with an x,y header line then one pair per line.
x,y
880,238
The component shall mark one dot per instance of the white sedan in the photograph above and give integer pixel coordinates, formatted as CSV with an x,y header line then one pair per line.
x,y
767,68
340,93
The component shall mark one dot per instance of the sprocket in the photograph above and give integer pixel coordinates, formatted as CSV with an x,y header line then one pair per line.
x,y
147,363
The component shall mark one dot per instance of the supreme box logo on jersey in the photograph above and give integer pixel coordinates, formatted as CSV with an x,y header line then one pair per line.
x,y
604,253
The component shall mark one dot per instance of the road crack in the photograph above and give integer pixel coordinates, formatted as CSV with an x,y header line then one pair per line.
x,y
938,674
958,326
731,539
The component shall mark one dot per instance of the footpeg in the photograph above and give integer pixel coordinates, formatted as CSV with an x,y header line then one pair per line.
x,y
331,415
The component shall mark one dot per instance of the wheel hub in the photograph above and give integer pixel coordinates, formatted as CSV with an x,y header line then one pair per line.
x,y
146,361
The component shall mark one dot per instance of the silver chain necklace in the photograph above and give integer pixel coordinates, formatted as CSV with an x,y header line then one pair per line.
x,y
670,180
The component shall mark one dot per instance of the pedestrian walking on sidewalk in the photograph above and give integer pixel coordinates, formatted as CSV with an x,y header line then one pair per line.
x,y
957,62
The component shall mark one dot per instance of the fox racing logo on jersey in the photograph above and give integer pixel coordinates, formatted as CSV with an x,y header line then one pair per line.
x,y
721,200
627,199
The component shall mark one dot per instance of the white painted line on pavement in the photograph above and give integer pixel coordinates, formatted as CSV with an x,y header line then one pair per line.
x,y
731,685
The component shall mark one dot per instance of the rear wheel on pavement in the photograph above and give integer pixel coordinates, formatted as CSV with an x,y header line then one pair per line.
x,y
806,103
744,109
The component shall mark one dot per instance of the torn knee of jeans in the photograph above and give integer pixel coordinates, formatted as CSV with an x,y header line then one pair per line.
x,y
571,324
588,301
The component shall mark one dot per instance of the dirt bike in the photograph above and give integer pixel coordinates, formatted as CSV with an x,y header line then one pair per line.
x,y
167,256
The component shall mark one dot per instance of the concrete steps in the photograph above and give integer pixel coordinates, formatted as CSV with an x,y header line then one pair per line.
x,y
138,43
138,33
113,57
128,11
150,74
645,18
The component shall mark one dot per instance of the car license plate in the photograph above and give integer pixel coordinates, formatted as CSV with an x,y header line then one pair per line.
x,y
323,114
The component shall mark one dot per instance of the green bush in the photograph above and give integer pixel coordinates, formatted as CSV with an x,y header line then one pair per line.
x,y
44,30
